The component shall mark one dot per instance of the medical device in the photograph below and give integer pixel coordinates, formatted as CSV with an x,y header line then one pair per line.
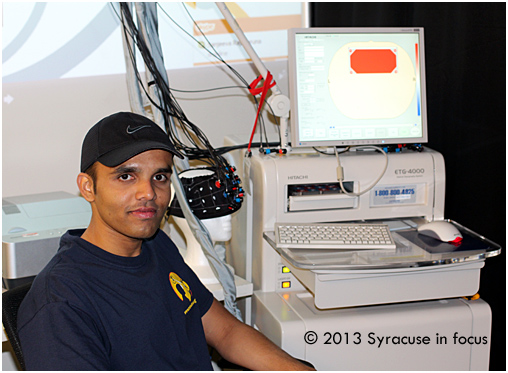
x,y
333,308
414,308
31,229
408,308
357,86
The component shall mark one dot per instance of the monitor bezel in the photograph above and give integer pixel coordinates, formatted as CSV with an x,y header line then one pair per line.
x,y
293,88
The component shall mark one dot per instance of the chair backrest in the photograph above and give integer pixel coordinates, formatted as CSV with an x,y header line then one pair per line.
x,y
11,300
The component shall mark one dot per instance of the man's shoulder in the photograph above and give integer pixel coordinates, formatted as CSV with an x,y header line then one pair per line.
x,y
61,275
52,286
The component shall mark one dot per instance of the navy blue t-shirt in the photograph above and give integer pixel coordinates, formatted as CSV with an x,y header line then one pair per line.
x,y
92,310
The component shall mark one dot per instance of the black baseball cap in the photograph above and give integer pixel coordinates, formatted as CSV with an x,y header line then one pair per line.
x,y
119,137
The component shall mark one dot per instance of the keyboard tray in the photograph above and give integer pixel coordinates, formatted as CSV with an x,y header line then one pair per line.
x,y
418,269
412,250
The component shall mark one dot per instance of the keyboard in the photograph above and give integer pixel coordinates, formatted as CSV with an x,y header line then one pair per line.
x,y
334,236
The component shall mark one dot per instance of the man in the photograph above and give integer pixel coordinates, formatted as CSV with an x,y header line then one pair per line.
x,y
118,296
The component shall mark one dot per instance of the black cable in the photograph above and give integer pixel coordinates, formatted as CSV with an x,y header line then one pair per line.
x,y
325,153
322,152
206,90
227,149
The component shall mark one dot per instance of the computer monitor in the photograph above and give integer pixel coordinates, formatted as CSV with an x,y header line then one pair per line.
x,y
357,86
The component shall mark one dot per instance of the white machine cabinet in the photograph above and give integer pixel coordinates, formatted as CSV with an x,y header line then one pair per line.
x,y
403,309
401,336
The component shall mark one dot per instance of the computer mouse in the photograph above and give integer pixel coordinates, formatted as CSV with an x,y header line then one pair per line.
x,y
441,230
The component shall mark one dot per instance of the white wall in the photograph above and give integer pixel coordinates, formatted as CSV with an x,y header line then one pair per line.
x,y
44,125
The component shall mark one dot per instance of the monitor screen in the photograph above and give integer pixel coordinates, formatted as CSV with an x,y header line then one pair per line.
x,y
357,86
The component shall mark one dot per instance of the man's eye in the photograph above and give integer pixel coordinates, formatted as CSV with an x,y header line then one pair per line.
x,y
125,177
160,177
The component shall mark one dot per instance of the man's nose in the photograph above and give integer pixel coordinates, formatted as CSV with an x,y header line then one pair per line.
x,y
145,190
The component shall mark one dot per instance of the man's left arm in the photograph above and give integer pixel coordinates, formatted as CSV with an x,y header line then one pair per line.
x,y
242,344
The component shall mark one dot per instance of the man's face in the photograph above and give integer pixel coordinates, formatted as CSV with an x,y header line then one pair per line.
x,y
131,199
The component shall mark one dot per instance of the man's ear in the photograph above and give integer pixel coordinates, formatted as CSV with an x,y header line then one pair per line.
x,y
86,187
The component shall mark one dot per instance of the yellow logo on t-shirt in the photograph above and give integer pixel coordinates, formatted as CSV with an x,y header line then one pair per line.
x,y
176,280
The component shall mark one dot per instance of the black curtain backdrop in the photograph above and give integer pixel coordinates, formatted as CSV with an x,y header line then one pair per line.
x,y
465,47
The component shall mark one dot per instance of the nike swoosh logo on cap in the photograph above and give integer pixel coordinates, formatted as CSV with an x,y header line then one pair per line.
x,y
130,130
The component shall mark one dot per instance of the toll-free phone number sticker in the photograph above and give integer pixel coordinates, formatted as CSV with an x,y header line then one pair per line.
x,y
396,194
